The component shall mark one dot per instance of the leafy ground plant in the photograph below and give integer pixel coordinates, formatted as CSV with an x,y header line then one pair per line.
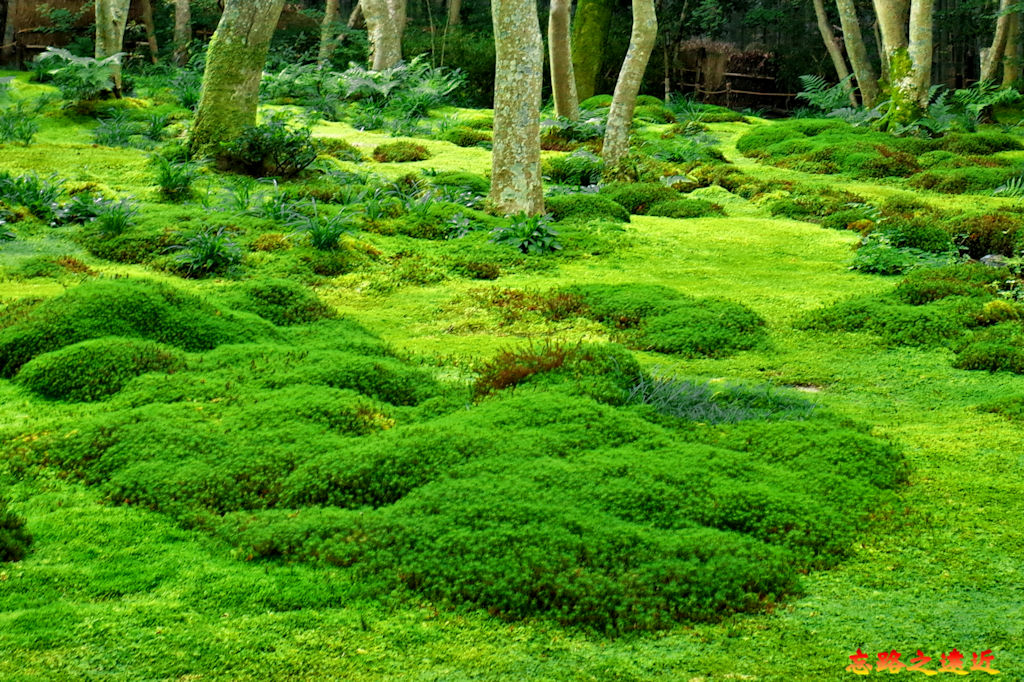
x,y
529,233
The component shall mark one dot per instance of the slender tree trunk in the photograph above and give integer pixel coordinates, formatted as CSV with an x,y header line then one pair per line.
x,y
10,30
992,58
832,45
589,38
111,19
147,20
863,70
385,23
182,31
516,183
892,20
356,19
921,48
1011,61
620,116
234,68
563,81
327,32
454,12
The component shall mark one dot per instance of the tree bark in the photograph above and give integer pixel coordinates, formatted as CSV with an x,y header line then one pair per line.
x,y
832,45
516,182
620,115
992,58
863,70
327,32
234,68
563,81
589,37
182,31
1011,61
454,12
10,30
111,19
147,20
921,48
356,19
892,21
385,24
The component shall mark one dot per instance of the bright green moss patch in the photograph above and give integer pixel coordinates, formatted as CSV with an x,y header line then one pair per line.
x,y
94,369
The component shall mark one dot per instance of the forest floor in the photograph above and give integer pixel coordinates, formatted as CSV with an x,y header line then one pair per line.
x,y
118,592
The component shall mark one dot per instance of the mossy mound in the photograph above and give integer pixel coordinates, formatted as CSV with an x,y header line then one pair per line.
x,y
129,308
639,197
95,369
402,151
663,320
14,538
583,207
686,208
470,182
280,301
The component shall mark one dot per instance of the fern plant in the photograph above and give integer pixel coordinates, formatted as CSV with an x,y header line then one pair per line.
x,y
824,97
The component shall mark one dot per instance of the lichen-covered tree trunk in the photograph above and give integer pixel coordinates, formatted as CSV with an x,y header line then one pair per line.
x,y
234,67
385,24
563,82
454,12
920,49
832,45
589,38
1012,55
10,30
892,21
182,31
516,183
620,115
327,32
147,20
111,19
992,58
863,71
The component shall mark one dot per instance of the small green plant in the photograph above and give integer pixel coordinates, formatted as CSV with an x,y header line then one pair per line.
x,y
174,178
822,96
531,234
208,251
272,149
80,79
155,125
325,232
38,195
18,124
116,131
114,218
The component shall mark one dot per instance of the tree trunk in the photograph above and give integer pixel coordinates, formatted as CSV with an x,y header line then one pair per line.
x,y
10,30
892,20
920,49
111,19
234,68
893,16
356,19
563,82
1011,61
832,45
327,32
993,56
182,31
516,183
863,71
589,37
454,12
385,23
147,20
620,115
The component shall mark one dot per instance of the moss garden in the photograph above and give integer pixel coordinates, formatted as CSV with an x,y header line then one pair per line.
x,y
749,406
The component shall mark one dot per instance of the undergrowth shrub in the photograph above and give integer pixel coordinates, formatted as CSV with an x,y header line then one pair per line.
x,y
271,149
992,233
207,251
580,169
97,368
